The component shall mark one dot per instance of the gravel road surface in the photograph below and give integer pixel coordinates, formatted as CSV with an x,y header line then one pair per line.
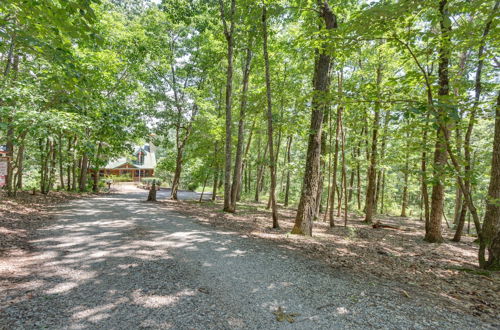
x,y
116,262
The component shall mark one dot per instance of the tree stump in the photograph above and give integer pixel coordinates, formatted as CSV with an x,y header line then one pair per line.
x,y
152,192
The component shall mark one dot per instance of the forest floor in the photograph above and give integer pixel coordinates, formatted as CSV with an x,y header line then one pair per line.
x,y
448,271
20,217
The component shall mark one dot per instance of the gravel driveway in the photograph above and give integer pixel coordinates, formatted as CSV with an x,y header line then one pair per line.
x,y
116,262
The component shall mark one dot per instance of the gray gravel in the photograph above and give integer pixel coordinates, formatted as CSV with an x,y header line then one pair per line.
x,y
183,194
115,262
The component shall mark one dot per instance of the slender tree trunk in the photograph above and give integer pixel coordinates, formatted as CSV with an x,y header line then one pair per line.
x,y
177,174
433,234
344,176
381,172
95,186
322,166
457,214
272,160
76,161
51,166
330,145
260,176
229,34
61,165
288,161
276,161
333,184
238,163
41,149
340,193
404,201
12,61
358,175
246,170
351,185
305,211
372,170
423,178
83,173
204,186
382,198
10,155
245,163
18,185
458,205
71,161
461,222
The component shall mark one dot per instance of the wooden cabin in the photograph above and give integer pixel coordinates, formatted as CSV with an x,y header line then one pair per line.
x,y
140,164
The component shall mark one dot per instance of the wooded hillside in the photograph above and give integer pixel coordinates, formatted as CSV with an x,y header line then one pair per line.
x,y
332,108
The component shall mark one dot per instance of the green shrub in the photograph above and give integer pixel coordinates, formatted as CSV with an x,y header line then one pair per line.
x,y
192,186
149,181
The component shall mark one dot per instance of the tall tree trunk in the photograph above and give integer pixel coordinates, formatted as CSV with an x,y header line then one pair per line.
x,y
70,157
244,164
382,197
458,205
229,34
177,173
404,200
272,160
381,172
288,161
372,170
260,175
10,155
322,169
12,61
344,176
305,211
330,146
491,225
238,163
61,165
423,177
82,185
18,184
457,212
433,234
351,185
333,183
461,222
358,174
95,186
74,166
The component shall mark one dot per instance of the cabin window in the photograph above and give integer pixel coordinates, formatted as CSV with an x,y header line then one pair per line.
x,y
140,157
